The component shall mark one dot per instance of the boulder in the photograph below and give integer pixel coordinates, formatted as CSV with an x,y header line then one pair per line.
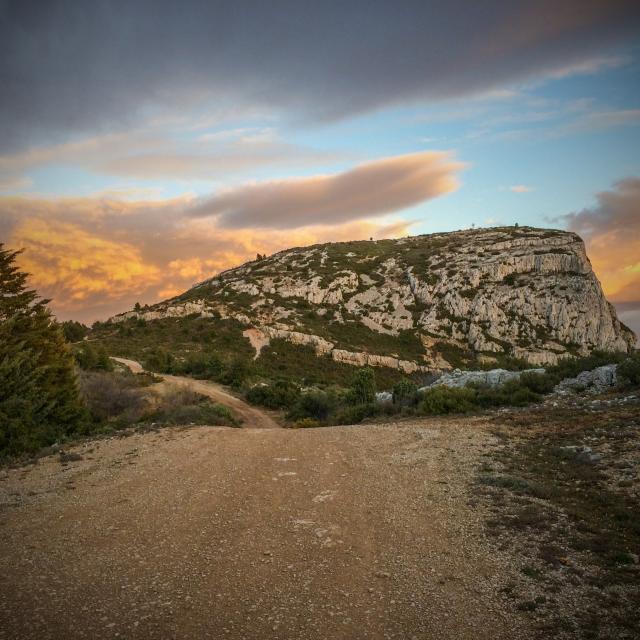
x,y
492,378
597,380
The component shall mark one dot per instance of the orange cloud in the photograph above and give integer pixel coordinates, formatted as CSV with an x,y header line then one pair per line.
x,y
611,231
73,264
369,190
96,257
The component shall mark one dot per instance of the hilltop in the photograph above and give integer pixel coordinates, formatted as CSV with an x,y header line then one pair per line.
x,y
413,305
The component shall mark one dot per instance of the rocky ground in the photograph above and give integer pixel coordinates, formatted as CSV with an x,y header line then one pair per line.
x,y
515,524
347,532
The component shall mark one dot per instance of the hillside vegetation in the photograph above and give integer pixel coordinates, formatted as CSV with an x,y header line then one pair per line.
x,y
477,297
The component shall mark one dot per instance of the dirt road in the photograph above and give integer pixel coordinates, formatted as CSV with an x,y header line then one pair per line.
x,y
336,533
251,416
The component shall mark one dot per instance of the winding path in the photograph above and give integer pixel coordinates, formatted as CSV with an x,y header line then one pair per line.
x,y
250,416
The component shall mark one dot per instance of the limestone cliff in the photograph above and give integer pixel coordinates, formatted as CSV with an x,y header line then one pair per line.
x,y
422,302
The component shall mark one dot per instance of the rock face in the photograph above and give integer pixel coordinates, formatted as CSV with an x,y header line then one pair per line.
x,y
434,301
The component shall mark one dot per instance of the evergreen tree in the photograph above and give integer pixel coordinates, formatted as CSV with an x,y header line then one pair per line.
x,y
363,386
39,398
73,331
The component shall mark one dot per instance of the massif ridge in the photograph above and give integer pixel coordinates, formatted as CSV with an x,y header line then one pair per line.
x,y
418,303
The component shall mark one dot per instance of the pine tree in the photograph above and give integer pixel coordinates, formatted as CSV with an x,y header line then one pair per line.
x,y
363,386
39,399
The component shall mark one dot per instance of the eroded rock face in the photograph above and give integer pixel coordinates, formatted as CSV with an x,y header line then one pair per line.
x,y
448,299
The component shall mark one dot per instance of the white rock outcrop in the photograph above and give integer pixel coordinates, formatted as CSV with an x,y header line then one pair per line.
x,y
492,378
485,295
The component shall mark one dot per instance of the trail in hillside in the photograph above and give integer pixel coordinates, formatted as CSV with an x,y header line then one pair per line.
x,y
252,417
343,533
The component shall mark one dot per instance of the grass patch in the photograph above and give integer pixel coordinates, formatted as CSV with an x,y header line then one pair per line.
x,y
570,516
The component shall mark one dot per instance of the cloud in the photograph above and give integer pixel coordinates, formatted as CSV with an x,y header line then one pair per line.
x,y
75,67
73,265
97,257
520,188
152,154
611,230
601,121
369,190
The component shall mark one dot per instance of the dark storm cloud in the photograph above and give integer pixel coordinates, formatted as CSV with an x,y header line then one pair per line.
x,y
78,67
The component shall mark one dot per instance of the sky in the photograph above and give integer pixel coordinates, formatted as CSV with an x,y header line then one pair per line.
x,y
145,146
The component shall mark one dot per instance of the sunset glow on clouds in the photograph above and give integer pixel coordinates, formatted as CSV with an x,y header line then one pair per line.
x,y
155,144
611,231
91,274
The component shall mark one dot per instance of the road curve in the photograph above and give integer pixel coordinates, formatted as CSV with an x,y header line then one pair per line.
x,y
250,416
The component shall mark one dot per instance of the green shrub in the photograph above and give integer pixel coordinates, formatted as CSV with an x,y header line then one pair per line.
x,y
235,374
511,393
160,360
353,414
201,413
90,358
281,394
538,382
313,404
571,367
442,400
202,365
405,392
73,331
363,386
629,371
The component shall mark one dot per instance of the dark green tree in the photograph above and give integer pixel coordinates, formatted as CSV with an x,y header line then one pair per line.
x,y
74,331
86,356
363,386
39,398
405,392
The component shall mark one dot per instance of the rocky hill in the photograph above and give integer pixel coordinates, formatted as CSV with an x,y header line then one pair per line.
x,y
417,303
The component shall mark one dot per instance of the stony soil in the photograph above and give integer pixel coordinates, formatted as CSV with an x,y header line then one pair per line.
x,y
209,532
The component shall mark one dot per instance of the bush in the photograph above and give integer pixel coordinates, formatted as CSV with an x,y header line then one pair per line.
x,y
629,371
281,394
511,393
198,412
73,331
538,382
235,374
159,360
313,404
354,414
442,400
405,393
571,367
89,358
363,386
202,365
110,397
